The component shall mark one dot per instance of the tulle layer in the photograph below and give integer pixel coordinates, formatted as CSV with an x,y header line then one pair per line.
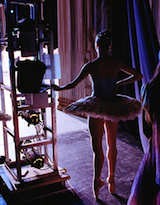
x,y
120,108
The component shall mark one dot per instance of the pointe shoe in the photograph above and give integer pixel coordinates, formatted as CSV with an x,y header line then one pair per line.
x,y
97,185
111,184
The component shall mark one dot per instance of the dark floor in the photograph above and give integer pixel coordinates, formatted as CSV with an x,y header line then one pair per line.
x,y
78,162
75,155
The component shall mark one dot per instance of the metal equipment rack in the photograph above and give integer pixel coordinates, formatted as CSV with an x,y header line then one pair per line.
x,y
18,177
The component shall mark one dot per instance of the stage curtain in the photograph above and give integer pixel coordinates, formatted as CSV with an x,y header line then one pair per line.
x,y
144,46
102,15
135,42
76,46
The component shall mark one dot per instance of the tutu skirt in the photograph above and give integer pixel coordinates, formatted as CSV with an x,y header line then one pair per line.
x,y
120,107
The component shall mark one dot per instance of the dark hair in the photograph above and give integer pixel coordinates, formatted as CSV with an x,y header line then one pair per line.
x,y
104,38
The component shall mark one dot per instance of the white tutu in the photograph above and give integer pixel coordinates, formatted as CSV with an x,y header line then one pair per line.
x,y
120,107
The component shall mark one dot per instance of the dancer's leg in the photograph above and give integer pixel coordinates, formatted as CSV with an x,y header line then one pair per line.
x,y
96,127
111,128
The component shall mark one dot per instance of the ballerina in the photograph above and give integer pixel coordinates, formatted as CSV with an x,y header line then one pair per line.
x,y
147,179
104,107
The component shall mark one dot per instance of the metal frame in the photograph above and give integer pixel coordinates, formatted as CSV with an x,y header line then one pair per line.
x,y
14,169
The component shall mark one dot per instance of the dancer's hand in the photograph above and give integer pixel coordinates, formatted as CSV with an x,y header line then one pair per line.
x,y
115,89
55,87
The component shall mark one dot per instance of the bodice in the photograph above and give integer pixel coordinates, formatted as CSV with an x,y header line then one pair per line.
x,y
103,88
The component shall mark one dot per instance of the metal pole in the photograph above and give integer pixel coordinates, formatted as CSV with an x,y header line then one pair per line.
x,y
13,92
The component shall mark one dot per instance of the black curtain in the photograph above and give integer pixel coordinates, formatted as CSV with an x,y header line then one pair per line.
x,y
135,41
121,49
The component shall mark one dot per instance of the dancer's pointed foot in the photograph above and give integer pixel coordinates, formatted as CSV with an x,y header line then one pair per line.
x,y
98,183
111,184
